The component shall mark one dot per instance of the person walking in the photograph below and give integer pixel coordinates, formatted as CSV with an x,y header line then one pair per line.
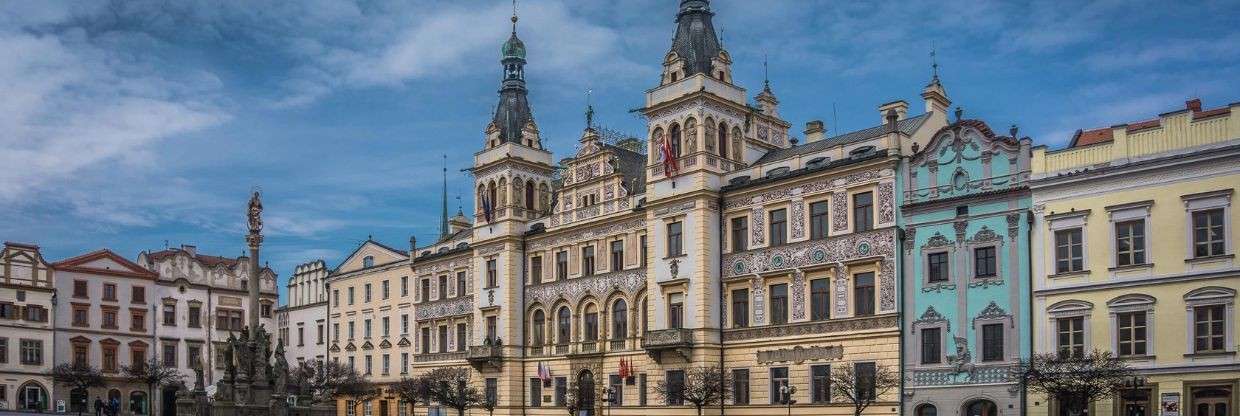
x,y
98,406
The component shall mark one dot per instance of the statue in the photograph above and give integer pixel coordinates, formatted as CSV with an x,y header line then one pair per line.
x,y
281,369
199,383
230,367
256,214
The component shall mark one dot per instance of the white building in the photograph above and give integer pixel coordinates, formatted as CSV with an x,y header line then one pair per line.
x,y
26,333
303,321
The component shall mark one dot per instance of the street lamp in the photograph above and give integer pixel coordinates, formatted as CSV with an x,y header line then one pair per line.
x,y
1133,406
610,392
786,392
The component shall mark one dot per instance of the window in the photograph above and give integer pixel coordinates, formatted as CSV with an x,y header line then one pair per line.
x,y
352,326
492,274
820,383
8,311
386,290
740,234
818,220
139,294
931,345
617,255
1131,338
404,324
674,247
740,386
195,316
1209,329
81,353
426,340
79,289
426,290
109,292
561,389
109,318
462,333
386,321
740,308
819,299
35,313
937,267
369,369
492,390
170,355
540,327
536,270
992,342
1069,251
865,379
675,387
641,389
319,334
443,286
109,358
350,295
561,265
32,352
193,356
962,210
301,334
591,325
404,363
779,304
366,328
535,392
984,263
137,319
368,261
81,315
387,364
779,380
1130,243
675,311
336,297
587,261
779,227
265,310
642,250
366,293
619,320
563,320
170,315
617,385
863,212
460,284
1209,238
404,286
443,338
492,328
1071,336
863,293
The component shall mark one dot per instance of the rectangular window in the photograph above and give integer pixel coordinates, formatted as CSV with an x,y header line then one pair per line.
x,y
366,327
1131,336
675,387
779,227
492,327
443,286
536,270
865,379
366,293
740,308
109,358
587,261
740,234
369,366
404,324
985,262
641,389
32,351
535,392
1130,243
426,340
492,390
820,383
170,355
386,326
492,274
617,386
319,334
643,251
561,390
674,247
350,295
404,363
675,311
195,316
937,267
461,284
1071,336
170,315
404,286
561,265
79,289
818,220
426,290
863,212
352,326
137,320
4,350
617,255
779,304
81,315
336,297
931,345
443,338
1209,331
193,356
387,364
1069,251
779,381
109,292
1209,238
139,294
740,386
819,299
461,333
109,319
992,342
301,335
386,290
863,293
81,354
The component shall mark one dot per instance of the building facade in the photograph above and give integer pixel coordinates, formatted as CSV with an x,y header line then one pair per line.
x,y
965,213
302,323
26,329
1134,253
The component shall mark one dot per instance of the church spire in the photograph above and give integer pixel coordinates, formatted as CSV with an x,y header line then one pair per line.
x,y
443,221
513,112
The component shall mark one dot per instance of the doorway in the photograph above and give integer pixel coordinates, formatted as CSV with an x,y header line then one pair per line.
x,y
168,401
1211,401
585,391
383,408
981,407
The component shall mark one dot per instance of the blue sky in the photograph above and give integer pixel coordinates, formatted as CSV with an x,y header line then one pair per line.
x,y
126,124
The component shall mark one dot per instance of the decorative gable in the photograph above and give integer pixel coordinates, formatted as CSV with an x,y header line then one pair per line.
x,y
104,262
369,254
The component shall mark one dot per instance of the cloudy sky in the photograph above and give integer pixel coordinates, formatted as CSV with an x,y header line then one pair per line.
x,y
135,124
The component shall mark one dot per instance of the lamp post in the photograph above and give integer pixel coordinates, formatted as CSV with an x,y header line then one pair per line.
x,y
786,392
610,394
1132,387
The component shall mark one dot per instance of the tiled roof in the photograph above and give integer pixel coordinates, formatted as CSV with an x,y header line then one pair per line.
x,y
906,126
1102,135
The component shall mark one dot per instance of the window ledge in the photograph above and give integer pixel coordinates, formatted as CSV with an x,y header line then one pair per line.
x,y
1211,354
673,282
674,256
1136,357
1131,267
1204,259
1070,274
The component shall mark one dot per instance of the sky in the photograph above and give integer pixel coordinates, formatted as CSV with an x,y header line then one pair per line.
x,y
132,125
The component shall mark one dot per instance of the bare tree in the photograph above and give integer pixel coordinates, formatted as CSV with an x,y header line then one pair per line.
x,y
154,374
78,376
327,380
413,390
860,388
450,387
1074,381
702,387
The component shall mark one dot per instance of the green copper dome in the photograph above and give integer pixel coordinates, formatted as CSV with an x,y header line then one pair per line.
x,y
513,48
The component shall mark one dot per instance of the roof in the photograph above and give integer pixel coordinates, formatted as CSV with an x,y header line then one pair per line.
x,y
695,40
206,260
631,165
906,126
744,184
79,264
1086,137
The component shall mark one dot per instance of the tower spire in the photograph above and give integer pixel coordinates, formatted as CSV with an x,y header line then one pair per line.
x,y
443,221
514,17
934,62
766,74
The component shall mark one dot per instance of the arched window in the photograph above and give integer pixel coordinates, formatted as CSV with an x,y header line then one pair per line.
x,y
927,410
482,194
540,328
491,193
675,138
529,195
619,320
545,198
137,403
590,324
645,322
32,396
563,320
723,139
981,407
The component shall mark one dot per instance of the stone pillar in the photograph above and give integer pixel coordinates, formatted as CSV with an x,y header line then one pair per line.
x,y
254,239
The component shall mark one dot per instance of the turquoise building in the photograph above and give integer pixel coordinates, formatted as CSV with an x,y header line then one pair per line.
x,y
965,210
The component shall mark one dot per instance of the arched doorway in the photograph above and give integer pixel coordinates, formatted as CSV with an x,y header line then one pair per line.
x,y
585,392
78,399
926,410
1211,401
114,400
137,403
981,407
168,401
32,396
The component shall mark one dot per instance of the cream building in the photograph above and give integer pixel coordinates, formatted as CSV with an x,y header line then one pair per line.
x,y
302,323
1134,250
26,329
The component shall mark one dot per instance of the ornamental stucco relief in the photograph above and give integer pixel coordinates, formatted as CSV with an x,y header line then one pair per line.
x,y
574,290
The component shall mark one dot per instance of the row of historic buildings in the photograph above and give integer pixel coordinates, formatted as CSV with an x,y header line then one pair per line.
x,y
176,306
928,244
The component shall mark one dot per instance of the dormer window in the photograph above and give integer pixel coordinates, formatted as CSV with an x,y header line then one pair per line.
x,y
861,151
816,162
368,261
675,76
780,171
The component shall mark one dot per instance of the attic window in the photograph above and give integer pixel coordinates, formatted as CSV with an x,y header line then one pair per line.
x,y
426,252
816,162
780,171
368,261
861,151
462,245
443,249
738,180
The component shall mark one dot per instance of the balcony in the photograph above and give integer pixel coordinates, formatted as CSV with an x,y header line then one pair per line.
x,y
440,356
486,356
679,341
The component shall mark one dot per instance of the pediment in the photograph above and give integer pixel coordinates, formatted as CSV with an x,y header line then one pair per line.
x,y
350,347
385,344
404,342
380,253
105,262
368,346
334,348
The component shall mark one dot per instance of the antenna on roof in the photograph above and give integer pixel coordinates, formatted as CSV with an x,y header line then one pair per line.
x,y
766,73
835,120
934,62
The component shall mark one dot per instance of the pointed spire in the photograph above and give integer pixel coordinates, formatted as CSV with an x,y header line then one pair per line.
x,y
766,74
934,64
514,17
443,222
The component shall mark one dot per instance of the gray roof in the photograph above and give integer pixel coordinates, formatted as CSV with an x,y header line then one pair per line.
x,y
631,165
906,126
695,40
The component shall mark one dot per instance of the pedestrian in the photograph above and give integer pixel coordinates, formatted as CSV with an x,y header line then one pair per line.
x,y
98,406
115,406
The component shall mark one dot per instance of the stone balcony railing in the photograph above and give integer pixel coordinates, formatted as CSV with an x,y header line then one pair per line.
x,y
440,356
486,356
662,340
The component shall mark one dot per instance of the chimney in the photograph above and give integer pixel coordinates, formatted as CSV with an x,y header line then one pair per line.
x,y
188,249
1194,105
900,107
814,131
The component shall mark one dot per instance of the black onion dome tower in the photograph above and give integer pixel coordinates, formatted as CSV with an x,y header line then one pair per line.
x,y
512,115
695,40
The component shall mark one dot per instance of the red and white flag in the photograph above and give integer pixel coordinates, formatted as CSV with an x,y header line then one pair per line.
x,y
669,159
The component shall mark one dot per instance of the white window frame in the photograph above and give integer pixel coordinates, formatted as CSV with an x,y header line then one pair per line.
x,y
1130,303
1210,296
1133,211
1207,201
1068,309
1067,221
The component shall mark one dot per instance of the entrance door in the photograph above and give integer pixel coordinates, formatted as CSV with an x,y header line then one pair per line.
x,y
1211,401
981,408
383,408
1135,403
585,391
168,401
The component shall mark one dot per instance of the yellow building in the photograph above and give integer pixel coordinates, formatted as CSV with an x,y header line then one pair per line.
x,y
1134,252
